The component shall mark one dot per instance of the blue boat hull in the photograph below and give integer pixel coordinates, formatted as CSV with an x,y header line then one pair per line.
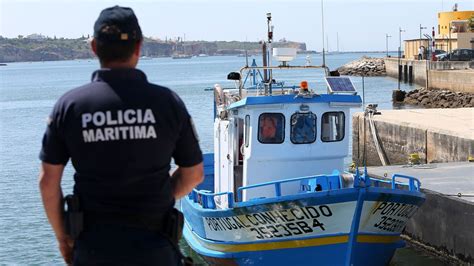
x,y
349,226
363,228
334,254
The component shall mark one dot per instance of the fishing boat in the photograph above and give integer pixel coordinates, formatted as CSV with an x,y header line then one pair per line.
x,y
180,50
182,56
275,189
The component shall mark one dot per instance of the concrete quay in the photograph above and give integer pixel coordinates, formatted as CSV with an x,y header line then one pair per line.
x,y
436,135
445,222
449,75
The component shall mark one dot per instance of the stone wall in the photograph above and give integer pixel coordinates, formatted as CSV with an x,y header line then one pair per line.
x,y
453,80
400,139
434,98
439,223
397,142
454,76
442,147
366,66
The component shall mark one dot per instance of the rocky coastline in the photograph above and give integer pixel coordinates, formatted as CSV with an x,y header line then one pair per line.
x,y
26,49
366,66
432,98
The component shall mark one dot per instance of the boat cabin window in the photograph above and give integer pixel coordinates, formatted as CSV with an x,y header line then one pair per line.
x,y
247,130
332,126
271,128
303,128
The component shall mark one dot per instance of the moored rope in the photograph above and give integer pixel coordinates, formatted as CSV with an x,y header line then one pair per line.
x,y
369,112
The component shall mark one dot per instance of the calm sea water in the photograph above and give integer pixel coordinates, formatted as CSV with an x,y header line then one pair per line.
x,y
29,90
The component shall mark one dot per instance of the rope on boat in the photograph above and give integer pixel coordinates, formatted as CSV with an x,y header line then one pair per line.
x,y
460,195
375,137
420,166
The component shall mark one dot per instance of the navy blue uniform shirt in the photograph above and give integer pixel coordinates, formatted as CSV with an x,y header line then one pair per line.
x,y
120,132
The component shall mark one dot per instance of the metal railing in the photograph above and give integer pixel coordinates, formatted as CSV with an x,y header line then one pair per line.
x,y
250,68
413,183
207,198
277,184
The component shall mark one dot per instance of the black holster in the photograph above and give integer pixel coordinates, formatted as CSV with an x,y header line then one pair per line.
x,y
173,226
172,229
73,216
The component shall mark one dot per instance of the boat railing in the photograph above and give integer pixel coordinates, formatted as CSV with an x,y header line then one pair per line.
x,y
207,199
413,183
277,184
270,68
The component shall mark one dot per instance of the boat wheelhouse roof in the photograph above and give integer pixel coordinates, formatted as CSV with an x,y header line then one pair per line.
x,y
282,99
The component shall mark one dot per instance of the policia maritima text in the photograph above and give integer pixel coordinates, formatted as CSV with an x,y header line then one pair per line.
x,y
120,133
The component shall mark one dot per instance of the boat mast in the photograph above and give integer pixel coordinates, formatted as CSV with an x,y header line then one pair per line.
x,y
269,50
246,53
322,26
327,42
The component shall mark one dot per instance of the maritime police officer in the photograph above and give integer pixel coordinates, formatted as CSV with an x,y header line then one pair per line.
x,y
120,133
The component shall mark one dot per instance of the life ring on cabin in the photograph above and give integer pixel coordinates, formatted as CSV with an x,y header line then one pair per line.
x,y
242,153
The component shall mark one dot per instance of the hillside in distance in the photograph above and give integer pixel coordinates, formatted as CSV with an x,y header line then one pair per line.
x,y
53,49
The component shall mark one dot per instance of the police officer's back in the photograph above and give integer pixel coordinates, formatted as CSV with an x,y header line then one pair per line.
x,y
120,132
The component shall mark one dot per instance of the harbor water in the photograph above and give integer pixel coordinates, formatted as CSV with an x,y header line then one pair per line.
x,y
28,92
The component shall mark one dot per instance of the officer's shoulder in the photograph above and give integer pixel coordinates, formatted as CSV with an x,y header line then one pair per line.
x,y
81,91
167,93
74,95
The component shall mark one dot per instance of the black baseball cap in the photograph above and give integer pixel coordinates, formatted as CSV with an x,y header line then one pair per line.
x,y
117,24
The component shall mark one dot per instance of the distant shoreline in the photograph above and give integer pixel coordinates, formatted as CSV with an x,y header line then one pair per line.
x,y
41,48
156,57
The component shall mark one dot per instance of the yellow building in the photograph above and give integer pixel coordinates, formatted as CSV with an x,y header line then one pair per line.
x,y
455,19
453,30
453,33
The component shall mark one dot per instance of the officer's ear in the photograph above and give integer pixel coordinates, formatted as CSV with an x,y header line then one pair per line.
x,y
94,46
138,48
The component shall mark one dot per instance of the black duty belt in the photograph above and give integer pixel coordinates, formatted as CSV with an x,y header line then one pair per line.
x,y
151,222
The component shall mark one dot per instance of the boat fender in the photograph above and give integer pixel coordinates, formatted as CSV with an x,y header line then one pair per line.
x,y
218,95
223,115
347,180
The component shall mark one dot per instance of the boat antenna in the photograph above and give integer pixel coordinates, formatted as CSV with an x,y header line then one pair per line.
x,y
269,50
246,53
270,35
246,59
322,26
327,43
264,61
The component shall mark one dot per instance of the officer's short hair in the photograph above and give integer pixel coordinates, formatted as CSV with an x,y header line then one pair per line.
x,y
117,33
108,52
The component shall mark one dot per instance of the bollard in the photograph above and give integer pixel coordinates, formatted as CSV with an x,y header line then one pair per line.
x,y
410,74
405,73
398,96
400,72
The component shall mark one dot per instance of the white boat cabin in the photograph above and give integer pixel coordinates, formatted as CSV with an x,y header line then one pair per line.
x,y
261,137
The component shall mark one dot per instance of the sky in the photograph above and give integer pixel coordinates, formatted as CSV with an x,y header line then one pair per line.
x,y
359,25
